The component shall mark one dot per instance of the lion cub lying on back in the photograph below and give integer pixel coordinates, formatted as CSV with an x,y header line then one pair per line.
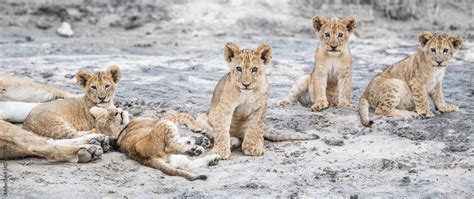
x,y
156,142
330,83
239,104
402,89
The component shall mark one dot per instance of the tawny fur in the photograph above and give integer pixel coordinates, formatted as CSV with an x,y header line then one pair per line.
x,y
156,143
25,90
19,143
239,104
404,88
330,83
71,118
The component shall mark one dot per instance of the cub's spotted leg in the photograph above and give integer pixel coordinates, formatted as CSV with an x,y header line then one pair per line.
x,y
389,99
172,140
252,143
439,102
298,90
317,90
183,162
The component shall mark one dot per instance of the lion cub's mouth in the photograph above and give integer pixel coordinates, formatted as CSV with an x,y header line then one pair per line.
x,y
333,51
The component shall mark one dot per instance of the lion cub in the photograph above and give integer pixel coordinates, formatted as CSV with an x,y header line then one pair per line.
x,y
330,83
156,142
70,118
239,104
22,143
403,89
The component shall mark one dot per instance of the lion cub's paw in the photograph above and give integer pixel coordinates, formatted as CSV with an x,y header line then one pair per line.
x,y
427,114
100,140
213,159
202,141
223,153
284,102
194,151
89,153
345,104
319,105
447,108
253,150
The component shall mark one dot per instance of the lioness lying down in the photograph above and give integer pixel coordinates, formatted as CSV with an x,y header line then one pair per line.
x,y
156,142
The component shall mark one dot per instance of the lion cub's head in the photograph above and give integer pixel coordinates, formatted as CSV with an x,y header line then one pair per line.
x,y
439,48
109,121
100,86
247,67
333,33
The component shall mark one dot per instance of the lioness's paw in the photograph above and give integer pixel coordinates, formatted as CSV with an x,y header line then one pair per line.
x,y
213,159
253,150
224,153
88,153
447,108
319,106
100,140
194,151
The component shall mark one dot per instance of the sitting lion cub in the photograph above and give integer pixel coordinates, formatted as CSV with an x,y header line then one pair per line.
x,y
156,142
330,83
70,118
402,89
239,105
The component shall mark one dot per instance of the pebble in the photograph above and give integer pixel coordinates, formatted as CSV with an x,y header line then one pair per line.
x,y
65,30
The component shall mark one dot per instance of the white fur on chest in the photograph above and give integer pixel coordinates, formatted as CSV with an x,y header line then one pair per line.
x,y
435,78
333,66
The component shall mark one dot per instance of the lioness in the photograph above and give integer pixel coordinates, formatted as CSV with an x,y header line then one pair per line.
x,y
402,89
18,96
156,142
239,104
70,118
330,83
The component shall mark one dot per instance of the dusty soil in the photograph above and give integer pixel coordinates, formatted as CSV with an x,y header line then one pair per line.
x,y
166,73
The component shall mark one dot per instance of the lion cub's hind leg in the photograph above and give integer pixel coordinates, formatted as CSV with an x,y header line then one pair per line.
x,y
390,103
183,162
299,92
172,141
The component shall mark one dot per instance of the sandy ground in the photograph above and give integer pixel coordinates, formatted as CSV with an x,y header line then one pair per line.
x,y
165,73
415,158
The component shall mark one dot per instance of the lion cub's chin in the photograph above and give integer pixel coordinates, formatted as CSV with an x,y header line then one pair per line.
x,y
246,90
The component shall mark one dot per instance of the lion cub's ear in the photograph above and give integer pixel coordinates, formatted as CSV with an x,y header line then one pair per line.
x,y
82,77
318,22
456,40
350,22
97,111
424,37
265,53
115,73
231,50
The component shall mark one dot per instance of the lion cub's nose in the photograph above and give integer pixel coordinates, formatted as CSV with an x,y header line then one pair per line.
x,y
246,85
333,47
439,62
101,98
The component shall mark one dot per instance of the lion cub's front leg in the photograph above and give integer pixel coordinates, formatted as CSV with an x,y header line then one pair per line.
x,y
317,89
253,138
221,118
439,102
345,89
420,97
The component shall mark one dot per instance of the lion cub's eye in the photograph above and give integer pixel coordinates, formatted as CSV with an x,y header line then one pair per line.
x,y
433,50
327,34
254,69
239,68
94,87
107,86
116,113
445,50
340,34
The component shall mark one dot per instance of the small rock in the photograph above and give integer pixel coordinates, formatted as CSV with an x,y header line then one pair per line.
x,y
406,180
65,30
333,142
